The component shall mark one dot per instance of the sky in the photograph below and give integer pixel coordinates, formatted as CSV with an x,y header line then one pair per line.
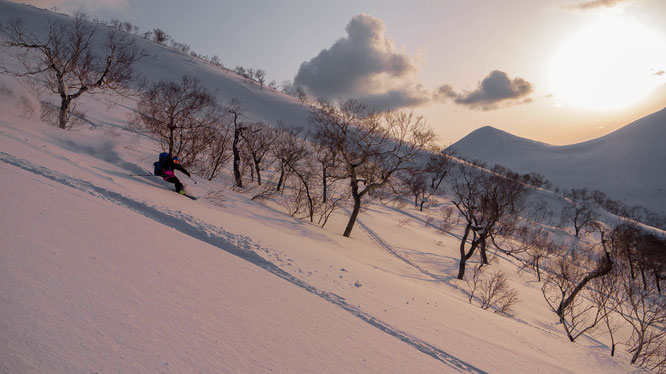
x,y
556,71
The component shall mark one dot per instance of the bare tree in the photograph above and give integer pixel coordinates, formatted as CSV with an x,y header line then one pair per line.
x,y
473,283
160,36
494,291
241,71
489,201
566,280
257,139
186,49
606,296
580,212
438,167
372,146
331,197
645,311
424,178
69,60
286,149
218,154
260,76
576,316
414,179
447,221
654,253
181,114
236,109
328,162
300,94
302,166
215,60
537,247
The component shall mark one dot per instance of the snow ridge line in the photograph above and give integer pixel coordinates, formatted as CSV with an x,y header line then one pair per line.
x,y
222,239
381,243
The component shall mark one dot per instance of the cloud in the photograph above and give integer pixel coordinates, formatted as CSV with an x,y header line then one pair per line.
x,y
494,91
593,4
365,63
78,5
402,97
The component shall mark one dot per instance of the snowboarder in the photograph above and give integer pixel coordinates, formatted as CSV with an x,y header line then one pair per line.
x,y
165,168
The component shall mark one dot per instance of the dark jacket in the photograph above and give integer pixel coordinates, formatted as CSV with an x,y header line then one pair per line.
x,y
166,167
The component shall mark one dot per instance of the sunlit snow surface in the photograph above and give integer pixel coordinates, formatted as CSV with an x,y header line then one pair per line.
x,y
102,270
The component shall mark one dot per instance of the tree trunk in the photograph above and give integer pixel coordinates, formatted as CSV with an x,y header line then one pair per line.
x,y
610,332
354,215
645,286
281,180
657,280
256,169
310,202
234,147
356,195
631,267
62,114
576,227
566,329
604,268
463,259
482,249
324,186
637,352
237,174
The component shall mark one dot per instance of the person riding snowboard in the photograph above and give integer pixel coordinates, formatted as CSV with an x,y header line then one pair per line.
x,y
165,168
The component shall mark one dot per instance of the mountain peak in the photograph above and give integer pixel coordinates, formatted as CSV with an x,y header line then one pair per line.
x,y
625,164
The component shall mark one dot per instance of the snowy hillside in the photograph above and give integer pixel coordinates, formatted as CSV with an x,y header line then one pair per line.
x,y
626,164
164,63
104,269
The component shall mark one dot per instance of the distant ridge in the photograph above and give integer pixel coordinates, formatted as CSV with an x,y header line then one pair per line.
x,y
627,164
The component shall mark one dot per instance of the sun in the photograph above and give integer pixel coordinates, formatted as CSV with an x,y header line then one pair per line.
x,y
611,63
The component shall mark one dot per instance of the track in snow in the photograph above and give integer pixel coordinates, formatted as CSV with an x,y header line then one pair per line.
x,y
242,247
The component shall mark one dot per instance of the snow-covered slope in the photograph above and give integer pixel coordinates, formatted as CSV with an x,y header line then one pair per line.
x,y
103,270
164,63
627,164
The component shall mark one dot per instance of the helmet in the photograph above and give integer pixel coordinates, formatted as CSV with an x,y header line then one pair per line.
x,y
176,159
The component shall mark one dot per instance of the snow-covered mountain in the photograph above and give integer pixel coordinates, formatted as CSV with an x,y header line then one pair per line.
x,y
105,270
627,164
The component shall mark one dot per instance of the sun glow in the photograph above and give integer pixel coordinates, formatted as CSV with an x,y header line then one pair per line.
x,y
609,64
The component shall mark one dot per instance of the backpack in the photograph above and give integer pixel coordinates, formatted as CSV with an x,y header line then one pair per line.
x,y
163,158
158,169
